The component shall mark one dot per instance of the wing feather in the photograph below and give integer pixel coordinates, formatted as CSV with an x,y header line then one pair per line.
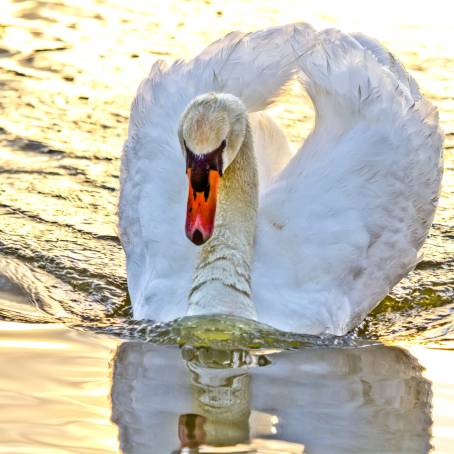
x,y
351,210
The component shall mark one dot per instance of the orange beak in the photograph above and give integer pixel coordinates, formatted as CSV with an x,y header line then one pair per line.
x,y
201,210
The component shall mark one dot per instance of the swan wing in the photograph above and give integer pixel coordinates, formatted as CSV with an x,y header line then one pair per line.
x,y
152,207
344,220
272,148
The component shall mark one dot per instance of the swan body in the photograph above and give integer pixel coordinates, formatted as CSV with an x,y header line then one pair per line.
x,y
309,242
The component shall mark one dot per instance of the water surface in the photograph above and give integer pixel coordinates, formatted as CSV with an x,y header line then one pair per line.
x,y
66,391
68,72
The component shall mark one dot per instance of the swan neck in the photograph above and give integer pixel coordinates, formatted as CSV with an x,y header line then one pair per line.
x,y
222,278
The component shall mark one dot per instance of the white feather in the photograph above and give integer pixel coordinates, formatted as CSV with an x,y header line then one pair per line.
x,y
338,226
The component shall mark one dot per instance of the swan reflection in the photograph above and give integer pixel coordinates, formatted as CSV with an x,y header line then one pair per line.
x,y
318,401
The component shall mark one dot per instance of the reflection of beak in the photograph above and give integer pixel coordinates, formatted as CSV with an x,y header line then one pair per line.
x,y
191,430
201,209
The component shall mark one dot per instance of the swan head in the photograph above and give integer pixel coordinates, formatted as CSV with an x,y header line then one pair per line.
x,y
211,132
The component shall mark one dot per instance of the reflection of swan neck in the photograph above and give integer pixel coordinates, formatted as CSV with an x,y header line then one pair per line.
x,y
222,396
222,279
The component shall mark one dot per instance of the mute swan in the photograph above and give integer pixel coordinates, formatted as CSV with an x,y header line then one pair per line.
x,y
332,229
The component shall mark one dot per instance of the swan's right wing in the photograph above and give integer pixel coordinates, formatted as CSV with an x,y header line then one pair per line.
x,y
160,259
345,219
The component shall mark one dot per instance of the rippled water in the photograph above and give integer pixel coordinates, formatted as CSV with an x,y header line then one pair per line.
x,y
68,72
86,393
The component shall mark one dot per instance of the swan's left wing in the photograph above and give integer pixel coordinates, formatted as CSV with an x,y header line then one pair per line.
x,y
160,259
344,221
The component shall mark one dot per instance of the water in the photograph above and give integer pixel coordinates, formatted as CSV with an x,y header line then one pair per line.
x,y
68,72
84,393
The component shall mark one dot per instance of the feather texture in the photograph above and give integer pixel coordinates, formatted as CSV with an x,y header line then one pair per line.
x,y
160,260
346,218
339,224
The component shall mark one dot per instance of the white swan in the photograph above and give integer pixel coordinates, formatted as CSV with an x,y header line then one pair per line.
x,y
336,226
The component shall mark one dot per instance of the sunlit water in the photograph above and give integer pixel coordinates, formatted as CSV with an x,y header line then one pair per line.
x,y
68,72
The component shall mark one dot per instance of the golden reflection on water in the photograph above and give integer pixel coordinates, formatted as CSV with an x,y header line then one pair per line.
x,y
439,369
54,390
316,400
55,387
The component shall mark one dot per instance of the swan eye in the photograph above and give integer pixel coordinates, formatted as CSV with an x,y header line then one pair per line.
x,y
207,161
